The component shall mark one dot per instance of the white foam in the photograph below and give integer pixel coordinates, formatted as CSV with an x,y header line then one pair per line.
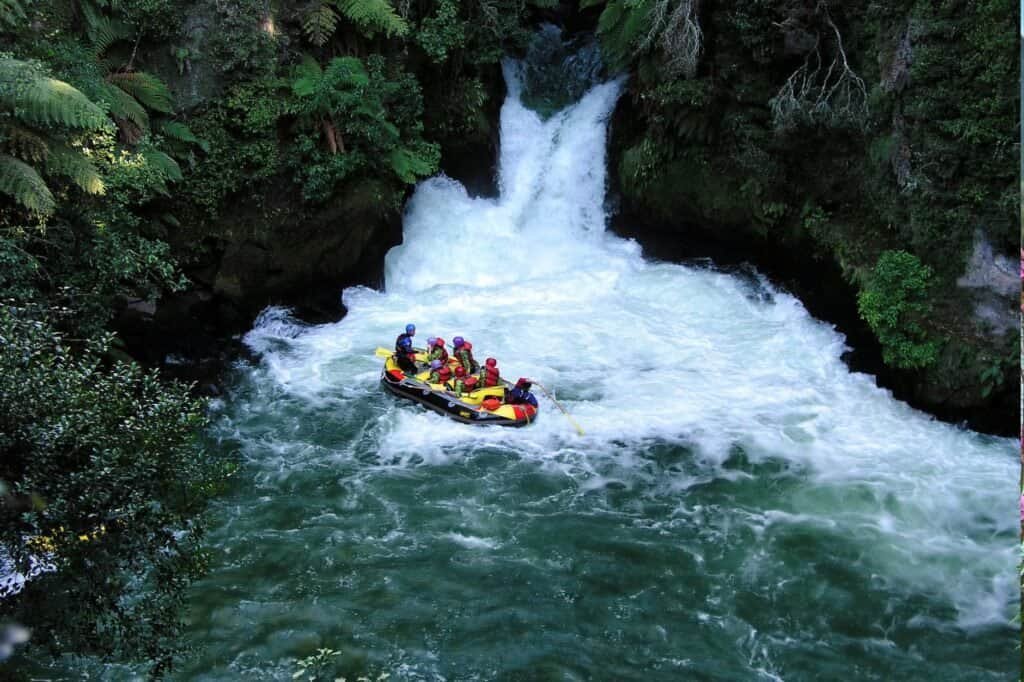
x,y
642,352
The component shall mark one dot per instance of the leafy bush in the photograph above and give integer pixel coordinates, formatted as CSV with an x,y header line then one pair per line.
x,y
893,303
105,478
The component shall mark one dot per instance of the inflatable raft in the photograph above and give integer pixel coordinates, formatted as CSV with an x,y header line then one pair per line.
x,y
484,406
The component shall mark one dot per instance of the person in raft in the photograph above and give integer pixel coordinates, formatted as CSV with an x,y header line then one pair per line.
x,y
405,356
464,354
489,375
440,373
520,394
464,383
436,351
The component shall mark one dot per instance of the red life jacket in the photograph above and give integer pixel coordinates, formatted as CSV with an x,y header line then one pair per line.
x,y
443,357
490,376
445,373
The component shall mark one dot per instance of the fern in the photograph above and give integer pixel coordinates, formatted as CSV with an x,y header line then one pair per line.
x,y
104,32
35,98
410,165
307,77
373,16
22,183
164,164
123,106
319,24
27,145
176,130
75,165
149,90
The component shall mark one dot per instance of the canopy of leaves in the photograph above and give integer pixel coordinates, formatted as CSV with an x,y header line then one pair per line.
x,y
104,470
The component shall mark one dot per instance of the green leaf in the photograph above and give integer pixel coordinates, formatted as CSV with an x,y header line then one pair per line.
x,y
373,16
73,164
319,24
33,97
21,182
147,89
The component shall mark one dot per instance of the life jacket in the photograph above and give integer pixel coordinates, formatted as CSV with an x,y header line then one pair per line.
x,y
439,353
465,357
490,376
443,375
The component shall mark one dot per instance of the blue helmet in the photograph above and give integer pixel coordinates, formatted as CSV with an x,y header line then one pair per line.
x,y
435,364
410,329
458,341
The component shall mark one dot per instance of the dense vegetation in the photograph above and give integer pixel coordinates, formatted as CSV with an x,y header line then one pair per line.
x,y
237,151
135,135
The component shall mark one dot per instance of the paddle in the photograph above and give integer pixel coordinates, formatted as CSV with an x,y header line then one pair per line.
x,y
552,399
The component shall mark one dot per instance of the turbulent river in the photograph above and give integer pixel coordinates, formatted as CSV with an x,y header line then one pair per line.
x,y
740,507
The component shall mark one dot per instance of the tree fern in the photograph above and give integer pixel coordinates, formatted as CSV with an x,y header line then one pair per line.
x,y
38,99
373,16
122,105
163,163
24,143
149,90
104,32
178,131
72,164
410,165
21,182
319,24
307,77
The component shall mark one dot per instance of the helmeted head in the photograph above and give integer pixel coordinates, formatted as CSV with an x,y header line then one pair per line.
x,y
460,371
430,341
458,341
523,384
435,364
439,342
491,362
410,329
471,381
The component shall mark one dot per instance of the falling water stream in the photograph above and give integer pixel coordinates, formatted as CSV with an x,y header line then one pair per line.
x,y
741,505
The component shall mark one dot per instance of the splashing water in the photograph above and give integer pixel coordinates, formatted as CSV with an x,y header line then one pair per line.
x,y
741,507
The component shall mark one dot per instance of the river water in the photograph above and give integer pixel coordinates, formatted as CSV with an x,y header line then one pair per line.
x,y
741,506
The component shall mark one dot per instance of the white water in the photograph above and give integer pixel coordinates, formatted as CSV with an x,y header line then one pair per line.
x,y
643,352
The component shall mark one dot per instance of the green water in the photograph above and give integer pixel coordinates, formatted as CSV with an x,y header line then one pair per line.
x,y
507,562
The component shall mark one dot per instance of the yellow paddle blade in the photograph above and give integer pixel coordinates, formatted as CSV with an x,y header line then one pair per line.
x,y
383,353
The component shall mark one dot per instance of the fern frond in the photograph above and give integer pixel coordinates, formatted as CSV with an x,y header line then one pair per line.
x,y
12,14
177,130
307,77
373,16
23,143
410,165
163,163
75,165
21,182
149,90
319,24
124,106
36,98
347,71
104,32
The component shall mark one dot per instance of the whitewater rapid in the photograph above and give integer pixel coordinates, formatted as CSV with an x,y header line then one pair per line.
x,y
645,354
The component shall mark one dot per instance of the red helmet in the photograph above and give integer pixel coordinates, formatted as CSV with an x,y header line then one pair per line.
x,y
439,342
522,382
471,381
490,362
460,371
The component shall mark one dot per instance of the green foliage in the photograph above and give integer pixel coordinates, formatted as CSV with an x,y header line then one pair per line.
x,y
319,24
894,303
110,454
21,182
35,98
442,32
373,16
358,117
